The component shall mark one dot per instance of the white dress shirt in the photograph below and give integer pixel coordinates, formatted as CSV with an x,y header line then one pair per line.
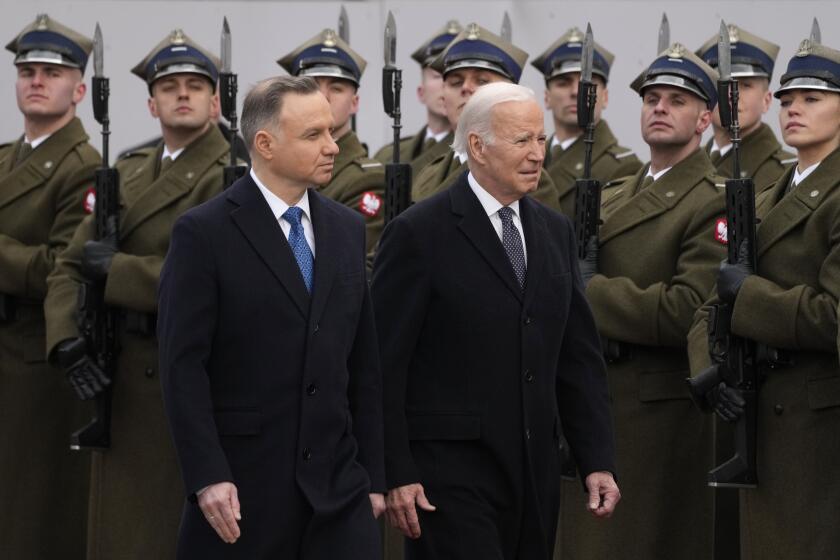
x,y
437,137
171,155
37,142
723,151
564,144
492,207
278,208
798,176
658,174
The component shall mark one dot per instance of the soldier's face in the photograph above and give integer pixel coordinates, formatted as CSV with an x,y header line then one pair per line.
x,y
300,149
672,116
460,84
753,101
509,167
183,101
430,92
810,119
343,100
561,98
48,91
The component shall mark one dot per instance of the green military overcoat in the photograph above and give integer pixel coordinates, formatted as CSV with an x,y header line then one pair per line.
x,y
609,161
659,255
136,489
358,182
791,305
442,173
762,158
413,150
42,200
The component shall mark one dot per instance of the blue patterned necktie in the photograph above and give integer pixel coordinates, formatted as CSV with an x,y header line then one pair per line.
x,y
300,248
512,243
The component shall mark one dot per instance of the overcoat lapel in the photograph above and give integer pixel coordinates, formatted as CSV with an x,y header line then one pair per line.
x,y
328,239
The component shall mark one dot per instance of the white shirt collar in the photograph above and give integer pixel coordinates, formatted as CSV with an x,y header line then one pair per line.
x,y
172,155
487,200
799,177
723,151
36,142
659,174
277,205
564,144
437,137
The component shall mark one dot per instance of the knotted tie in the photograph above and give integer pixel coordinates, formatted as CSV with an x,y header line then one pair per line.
x,y
23,152
715,157
300,248
648,181
165,164
512,243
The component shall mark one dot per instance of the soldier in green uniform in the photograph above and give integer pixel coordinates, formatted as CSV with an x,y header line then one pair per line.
x,y
357,181
136,489
560,64
656,264
762,157
474,58
45,176
436,135
789,304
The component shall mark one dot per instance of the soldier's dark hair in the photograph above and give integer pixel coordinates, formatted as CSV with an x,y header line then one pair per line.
x,y
265,100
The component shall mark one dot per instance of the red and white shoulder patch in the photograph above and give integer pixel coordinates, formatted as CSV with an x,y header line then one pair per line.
x,y
89,201
370,204
721,231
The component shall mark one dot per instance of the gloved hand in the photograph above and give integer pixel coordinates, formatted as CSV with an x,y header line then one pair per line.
x,y
732,276
86,378
589,265
726,401
97,257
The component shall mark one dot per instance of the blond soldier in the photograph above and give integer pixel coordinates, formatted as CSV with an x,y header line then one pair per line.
x,y
436,135
136,490
762,157
45,175
788,306
474,58
357,181
560,64
656,264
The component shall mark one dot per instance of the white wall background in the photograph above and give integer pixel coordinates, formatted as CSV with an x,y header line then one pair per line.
x,y
263,31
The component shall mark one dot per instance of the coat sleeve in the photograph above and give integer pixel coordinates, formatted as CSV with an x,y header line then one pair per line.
x,y
401,294
188,313
365,394
133,282
661,314
582,389
25,267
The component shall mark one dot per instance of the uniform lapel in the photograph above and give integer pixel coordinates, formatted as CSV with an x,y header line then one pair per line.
x,y
180,179
755,149
327,239
255,220
349,149
41,163
476,226
661,196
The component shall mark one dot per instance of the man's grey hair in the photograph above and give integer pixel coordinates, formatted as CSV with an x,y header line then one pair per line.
x,y
265,100
477,113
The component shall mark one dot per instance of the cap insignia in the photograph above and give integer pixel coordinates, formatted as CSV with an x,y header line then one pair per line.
x,y
329,38
734,33
804,48
452,27
42,22
177,37
676,51
575,36
472,31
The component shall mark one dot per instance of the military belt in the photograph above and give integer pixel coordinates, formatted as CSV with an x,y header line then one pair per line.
x,y
143,324
615,351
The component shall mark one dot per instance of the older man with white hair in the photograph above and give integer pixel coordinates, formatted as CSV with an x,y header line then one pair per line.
x,y
488,346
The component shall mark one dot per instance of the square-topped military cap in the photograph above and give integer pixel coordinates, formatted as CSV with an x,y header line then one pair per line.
x,y
177,54
325,54
679,67
563,57
49,42
814,66
476,47
752,56
429,50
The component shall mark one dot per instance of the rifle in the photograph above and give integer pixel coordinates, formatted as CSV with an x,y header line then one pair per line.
x,y
734,358
344,35
587,189
97,322
227,96
397,175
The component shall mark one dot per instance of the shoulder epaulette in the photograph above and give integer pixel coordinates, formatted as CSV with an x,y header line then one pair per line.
x,y
366,163
615,182
620,152
137,153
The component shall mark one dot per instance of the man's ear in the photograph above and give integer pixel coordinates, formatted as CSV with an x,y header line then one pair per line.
x,y
475,147
263,143
703,121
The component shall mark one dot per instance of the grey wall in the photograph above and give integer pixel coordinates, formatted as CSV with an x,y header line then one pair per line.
x,y
263,31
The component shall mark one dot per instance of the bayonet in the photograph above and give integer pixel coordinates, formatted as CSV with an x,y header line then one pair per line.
x,y
724,53
97,52
586,56
816,34
344,26
226,47
507,30
664,34
390,40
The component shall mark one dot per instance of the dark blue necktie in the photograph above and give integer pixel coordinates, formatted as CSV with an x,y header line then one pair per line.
x,y
512,243
300,248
